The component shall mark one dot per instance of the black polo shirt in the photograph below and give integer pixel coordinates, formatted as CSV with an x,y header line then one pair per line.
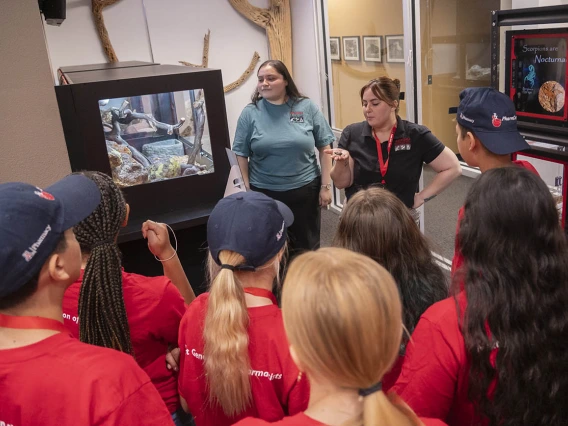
x,y
413,145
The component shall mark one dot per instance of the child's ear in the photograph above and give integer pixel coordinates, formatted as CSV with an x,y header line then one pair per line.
x,y
57,268
471,141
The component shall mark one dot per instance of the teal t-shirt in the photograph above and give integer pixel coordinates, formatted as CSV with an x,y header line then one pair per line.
x,y
280,141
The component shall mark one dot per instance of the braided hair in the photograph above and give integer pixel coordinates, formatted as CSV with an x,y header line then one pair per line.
x,y
102,314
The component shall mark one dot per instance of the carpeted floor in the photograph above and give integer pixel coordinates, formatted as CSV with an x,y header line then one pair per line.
x,y
440,216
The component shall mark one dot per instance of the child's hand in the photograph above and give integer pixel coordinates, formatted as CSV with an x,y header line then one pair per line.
x,y
158,239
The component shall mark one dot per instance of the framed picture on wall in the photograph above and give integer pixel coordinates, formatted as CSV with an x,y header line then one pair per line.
x,y
351,48
395,48
373,48
335,48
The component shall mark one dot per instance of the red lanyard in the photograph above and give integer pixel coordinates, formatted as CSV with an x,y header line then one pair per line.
x,y
384,165
32,323
260,292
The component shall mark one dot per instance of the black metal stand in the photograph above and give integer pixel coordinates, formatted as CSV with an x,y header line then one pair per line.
x,y
532,131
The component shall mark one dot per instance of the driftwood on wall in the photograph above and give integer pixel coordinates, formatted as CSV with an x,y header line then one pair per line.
x,y
205,62
277,22
97,7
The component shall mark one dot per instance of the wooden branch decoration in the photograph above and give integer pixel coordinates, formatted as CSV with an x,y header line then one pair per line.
x,y
245,75
205,61
97,8
277,22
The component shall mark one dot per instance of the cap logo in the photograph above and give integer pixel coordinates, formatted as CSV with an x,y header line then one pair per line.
x,y
496,121
463,117
32,250
45,195
281,232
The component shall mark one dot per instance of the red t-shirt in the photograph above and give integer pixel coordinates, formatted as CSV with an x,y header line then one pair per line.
x,y
60,381
302,419
458,259
389,379
434,379
154,308
299,419
276,391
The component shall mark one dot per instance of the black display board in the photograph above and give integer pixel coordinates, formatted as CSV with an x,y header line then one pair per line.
x,y
536,75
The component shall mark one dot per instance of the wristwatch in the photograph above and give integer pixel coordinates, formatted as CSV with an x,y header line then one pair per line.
x,y
327,186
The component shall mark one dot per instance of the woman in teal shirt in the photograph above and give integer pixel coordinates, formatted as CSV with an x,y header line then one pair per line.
x,y
275,142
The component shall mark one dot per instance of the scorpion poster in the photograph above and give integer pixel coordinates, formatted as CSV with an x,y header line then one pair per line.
x,y
538,74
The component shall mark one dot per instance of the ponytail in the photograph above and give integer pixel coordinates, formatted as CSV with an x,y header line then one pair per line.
x,y
225,336
379,409
102,314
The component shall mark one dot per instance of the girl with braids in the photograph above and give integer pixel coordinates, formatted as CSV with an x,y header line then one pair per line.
x,y
235,359
131,313
377,224
497,353
342,315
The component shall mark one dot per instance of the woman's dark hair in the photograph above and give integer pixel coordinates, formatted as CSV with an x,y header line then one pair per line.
x,y
515,278
376,223
291,89
386,89
102,315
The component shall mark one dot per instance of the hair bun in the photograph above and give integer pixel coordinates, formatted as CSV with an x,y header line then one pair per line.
x,y
396,82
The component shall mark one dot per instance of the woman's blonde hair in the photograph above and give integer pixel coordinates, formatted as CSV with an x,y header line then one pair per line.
x,y
225,336
343,317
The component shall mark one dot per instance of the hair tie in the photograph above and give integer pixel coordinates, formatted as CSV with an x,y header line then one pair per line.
x,y
371,389
109,241
238,267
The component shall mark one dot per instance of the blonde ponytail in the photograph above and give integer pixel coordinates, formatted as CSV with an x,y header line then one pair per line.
x,y
227,362
343,317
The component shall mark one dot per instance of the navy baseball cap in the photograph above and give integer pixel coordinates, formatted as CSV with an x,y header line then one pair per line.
x,y
251,224
491,115
32,222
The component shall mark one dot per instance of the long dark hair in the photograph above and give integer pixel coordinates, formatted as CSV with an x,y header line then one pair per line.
x,y
102,315
516,284
291,89
376,223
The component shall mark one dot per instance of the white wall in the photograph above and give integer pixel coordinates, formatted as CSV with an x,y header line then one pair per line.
x,y
76,41
32,147
168,31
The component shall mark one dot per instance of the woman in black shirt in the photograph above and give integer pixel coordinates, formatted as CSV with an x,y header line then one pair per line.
x,y
405,146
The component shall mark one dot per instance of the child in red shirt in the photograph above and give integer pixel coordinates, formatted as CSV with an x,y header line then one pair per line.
x,y
235,360
377,224
132,313
342,314
46,376
496,354
487,135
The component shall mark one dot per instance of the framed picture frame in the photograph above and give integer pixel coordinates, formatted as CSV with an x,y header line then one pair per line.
x,y
395,48
351,48
335,48
373,48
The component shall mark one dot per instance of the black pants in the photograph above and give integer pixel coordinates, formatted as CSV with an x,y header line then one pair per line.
x,y
304,234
